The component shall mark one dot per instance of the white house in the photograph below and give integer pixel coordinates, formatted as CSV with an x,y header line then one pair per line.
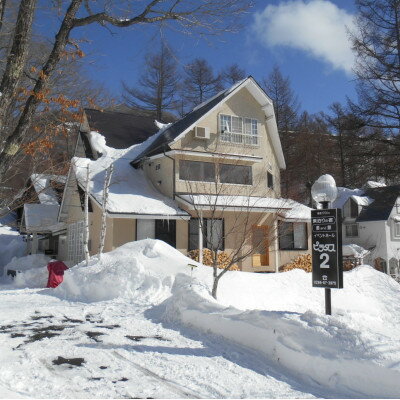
x,y
371,219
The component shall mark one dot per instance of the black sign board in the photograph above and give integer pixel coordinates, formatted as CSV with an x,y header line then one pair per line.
x,y
327,259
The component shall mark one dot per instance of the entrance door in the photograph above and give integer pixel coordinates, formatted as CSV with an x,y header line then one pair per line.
x,y
260,245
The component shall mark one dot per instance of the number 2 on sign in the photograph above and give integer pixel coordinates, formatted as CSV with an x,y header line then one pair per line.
x,y
325,258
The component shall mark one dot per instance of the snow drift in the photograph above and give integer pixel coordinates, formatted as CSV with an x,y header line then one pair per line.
x,y
143,270
11,244
278,315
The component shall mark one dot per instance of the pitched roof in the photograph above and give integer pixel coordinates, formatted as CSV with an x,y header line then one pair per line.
x,y
180,127
384,200
121,130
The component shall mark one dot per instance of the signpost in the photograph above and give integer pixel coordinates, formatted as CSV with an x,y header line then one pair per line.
x,y
327,259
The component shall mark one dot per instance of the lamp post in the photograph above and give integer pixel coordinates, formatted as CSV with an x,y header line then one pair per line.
x,y
324,192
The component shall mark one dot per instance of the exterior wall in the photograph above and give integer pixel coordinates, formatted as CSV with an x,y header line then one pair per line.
x,y
242,104
393,242
124,231
160,173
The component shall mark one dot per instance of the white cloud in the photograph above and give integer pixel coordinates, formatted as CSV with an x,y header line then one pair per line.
x,y
317,27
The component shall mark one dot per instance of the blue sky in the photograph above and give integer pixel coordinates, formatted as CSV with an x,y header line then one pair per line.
x,y
305,38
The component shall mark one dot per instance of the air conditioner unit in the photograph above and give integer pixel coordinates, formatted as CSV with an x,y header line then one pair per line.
x,y
201,133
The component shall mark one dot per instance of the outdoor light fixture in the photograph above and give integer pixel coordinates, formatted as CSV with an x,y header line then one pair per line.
x,y
324,190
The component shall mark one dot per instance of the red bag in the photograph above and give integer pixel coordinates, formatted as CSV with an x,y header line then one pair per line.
x,y
56,273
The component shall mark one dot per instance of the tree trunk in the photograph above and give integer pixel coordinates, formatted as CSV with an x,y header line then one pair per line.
x,y
86,218
215,287
12,142
104,208
2,9
16,60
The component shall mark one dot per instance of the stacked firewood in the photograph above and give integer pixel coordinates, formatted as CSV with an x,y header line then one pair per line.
x,y
301,262
349,264
223,259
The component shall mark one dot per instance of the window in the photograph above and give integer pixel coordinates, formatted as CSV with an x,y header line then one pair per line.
x,y
293,236
397,228
270,180
352,230
350,209
213,234
161,229
239,174
238,129
196,171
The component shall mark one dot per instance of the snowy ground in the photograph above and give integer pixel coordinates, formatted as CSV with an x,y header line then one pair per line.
x,y
139,326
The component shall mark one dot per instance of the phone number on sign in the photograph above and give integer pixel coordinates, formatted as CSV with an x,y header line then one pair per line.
x,y
324,282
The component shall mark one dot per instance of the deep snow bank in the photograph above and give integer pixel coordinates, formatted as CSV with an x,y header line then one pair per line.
x,y
143,270
342,352
11,245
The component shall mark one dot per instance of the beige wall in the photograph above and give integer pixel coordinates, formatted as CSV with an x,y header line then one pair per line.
x,y
124,231
160,173
242,104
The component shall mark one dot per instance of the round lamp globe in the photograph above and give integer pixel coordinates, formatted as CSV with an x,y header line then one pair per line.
x,y
324,189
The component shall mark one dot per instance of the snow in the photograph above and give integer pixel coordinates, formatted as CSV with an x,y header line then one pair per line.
x,y
373,184
161,125
266,336
41,184
130,191
362,200
298,211
354,251
344,194
11,242
98,142
39,217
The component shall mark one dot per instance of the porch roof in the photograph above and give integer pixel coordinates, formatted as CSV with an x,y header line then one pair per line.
x,y
286,209
40,217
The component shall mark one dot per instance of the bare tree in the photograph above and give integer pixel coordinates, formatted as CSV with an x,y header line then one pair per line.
x,y
231,220
211,16
157,86
376,44
232,74
200,82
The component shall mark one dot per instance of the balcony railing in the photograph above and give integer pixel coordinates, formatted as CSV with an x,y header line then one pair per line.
x,y
240,138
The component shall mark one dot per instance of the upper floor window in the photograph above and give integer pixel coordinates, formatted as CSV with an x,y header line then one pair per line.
x,y
196,171
238,174
397,228
270,180
238,130
350,209
352,230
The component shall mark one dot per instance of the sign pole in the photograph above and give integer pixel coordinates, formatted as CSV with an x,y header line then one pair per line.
x,y
328,303
327,262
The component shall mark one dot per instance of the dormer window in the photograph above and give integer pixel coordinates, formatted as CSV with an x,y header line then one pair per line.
x,y
238,130
351,209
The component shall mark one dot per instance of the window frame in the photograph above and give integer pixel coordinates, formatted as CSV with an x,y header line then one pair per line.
x,y
250,170
294,248
205,231
351,225
190,178
270,180
248,137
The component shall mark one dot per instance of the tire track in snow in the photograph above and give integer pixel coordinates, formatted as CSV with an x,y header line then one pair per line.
x,y
175,387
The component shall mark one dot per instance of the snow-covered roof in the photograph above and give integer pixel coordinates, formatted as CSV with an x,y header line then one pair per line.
x,y
362,200
298,212
287,209
344,194
39,217
353,250
130,191
41,184
373,184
